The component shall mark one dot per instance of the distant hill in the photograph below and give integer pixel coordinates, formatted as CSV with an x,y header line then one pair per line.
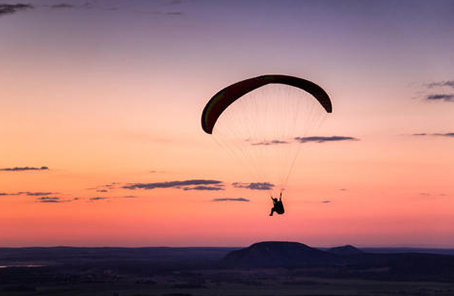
x,y
344,261
278,254
345,250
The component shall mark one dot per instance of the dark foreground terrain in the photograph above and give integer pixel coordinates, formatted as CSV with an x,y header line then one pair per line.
x,y
268,268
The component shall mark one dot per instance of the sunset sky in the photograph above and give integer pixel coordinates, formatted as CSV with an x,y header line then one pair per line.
x,y
101,142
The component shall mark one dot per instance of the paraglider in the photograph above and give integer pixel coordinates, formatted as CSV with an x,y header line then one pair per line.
x,y
261,120
278,207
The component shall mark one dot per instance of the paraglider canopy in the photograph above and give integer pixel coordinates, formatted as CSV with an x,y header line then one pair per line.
x,y
261,121
220,101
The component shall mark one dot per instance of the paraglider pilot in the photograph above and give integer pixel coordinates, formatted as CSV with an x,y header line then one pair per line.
x,y
278,207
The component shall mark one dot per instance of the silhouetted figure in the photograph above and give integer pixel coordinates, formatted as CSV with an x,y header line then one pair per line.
x,y
278,207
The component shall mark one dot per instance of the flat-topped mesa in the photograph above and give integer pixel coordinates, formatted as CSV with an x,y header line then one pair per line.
x,y
279,254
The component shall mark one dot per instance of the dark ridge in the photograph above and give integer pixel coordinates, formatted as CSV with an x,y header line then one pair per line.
x,y
278,254
345,250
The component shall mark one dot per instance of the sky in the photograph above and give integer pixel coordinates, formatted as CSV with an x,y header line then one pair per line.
x,y
101,142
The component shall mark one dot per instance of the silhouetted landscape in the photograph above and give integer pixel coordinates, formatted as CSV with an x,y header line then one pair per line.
x,y
265,268
278,139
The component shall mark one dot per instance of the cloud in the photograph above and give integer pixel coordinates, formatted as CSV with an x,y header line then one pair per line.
x,y
307,139
441,97
440,91
50,199
448,83
445,135
175,13
172,184
254,186
230,199
27,193
174,2
104,187
273,142
87,5
13,8
20,169
326,201
448,135
36,193
202,187
325,139
111,185
10,194
62,5
130,196
97,198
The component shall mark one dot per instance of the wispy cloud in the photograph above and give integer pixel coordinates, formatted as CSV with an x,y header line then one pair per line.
x,y
62,5
106,187
13,8
174,2
445,135
36,193
195,184
112,185
448,135
173,184
254,186
156,171
87,5
439,91
230,199
170,8
27,193
202,187
325,139
273,142
96,198
21,169
326,201
440,97
53,199
50,199
446,83
175,13
10,194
